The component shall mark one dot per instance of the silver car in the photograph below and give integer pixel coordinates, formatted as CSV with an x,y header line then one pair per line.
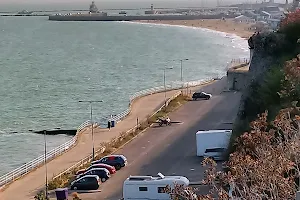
x,y
216,154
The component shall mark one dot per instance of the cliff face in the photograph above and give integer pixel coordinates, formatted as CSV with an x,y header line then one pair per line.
x,y
266,48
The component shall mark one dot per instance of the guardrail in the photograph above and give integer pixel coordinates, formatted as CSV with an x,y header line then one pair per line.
x,y
35,163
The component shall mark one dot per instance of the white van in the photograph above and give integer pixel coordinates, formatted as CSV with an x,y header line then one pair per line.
x,y
211,139
149,187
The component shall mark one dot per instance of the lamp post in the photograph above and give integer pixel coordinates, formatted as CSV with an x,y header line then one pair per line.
x,y
181,73
45,163
91,103
165,87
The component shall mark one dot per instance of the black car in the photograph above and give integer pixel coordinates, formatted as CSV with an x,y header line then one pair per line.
x,y
102,173
88,182
118,161
201,95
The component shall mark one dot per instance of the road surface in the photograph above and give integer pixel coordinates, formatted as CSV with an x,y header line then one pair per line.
x,y
172,150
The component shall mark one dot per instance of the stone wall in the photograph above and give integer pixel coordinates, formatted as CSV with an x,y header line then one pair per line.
x,y
237,77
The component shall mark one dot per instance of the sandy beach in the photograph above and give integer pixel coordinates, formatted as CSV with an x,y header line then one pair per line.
x,y
228,25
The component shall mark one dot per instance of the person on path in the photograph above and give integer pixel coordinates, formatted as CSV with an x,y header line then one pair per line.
x,y
109,125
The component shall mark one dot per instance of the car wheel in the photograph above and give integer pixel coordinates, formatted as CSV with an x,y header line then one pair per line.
x,y
118,167
103,180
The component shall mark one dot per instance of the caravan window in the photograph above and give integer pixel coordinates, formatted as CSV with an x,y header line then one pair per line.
x,y
143,189
161,190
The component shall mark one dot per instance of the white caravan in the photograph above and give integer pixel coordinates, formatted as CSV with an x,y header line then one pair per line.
x,y
212,139
149,187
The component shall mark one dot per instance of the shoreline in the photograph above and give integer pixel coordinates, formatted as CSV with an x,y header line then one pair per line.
x,y
224,26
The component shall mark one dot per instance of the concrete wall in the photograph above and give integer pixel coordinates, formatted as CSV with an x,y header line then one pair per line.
x,y
135,18
237,79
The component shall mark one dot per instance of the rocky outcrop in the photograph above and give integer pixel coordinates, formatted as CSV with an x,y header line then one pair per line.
x,y
266,48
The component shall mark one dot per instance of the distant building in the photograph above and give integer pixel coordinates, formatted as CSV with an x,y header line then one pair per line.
x,y
274,23
151,11
243,19
93,8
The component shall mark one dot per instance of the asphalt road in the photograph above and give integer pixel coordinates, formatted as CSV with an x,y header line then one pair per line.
x,y
172,150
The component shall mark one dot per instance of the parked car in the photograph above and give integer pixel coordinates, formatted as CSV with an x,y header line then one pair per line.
x,y
101,172
201,95
88,182
118,161
215,153
111,169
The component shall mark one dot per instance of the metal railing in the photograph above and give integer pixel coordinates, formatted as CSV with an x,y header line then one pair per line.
x,y
35,163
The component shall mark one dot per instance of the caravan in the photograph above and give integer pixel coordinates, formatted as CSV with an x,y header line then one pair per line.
x,y
149,187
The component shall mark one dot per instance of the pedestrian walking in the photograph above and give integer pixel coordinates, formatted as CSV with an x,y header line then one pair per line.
x,y
109,125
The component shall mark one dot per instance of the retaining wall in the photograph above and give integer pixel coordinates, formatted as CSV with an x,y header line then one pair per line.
x,y
238,75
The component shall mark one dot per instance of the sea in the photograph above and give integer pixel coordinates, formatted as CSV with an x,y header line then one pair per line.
x,y
47,67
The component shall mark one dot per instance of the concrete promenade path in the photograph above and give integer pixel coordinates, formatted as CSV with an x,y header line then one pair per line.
x,y
26,187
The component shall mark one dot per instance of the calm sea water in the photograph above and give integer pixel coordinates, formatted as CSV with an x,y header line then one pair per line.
x,y
47,67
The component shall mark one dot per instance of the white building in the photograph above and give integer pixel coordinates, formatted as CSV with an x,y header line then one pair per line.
x,y
274,23
243,19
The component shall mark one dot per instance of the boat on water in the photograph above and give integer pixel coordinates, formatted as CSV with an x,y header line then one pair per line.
x,y
122,12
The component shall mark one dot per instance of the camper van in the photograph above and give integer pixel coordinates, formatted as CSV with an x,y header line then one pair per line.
x,y
149,187
211,140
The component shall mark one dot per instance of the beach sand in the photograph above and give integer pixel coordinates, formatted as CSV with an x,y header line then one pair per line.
x,y
229,26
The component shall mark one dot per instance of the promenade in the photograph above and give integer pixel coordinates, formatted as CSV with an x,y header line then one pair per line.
x,y
26,187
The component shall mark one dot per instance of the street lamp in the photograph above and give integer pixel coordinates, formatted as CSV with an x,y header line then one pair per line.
x,y
165,87
181,71
91,103
181,74
45,163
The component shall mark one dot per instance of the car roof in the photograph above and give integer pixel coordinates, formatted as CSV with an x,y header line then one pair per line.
x,y
89,176
101,164
95,169
114,156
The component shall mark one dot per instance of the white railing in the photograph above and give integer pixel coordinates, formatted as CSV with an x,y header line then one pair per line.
x,y
172,86
28,167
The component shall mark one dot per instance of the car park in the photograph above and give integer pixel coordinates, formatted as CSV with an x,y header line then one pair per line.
x,y
201,95
118,161
88,182
110,168
102,173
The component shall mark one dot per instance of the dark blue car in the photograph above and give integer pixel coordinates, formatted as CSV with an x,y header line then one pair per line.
x,y
118,161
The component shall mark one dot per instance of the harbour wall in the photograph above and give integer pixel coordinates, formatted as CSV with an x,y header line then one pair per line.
x,y
134,17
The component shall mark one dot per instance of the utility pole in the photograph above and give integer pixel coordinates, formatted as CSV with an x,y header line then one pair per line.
x,y
181,73
165,87
93,146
